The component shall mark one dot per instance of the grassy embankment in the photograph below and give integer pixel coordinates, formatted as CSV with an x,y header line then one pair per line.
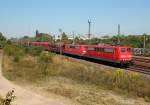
x,y
81,82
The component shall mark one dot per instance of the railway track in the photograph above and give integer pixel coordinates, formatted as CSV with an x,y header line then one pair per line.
x,y
139,69
142,59
142,65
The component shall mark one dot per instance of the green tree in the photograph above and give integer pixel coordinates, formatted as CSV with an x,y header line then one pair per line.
x,y
2,40
95,41
44,37
33,50
64,37
76,39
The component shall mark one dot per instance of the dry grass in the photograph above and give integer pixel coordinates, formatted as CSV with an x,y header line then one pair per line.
x,y
77,81
85,94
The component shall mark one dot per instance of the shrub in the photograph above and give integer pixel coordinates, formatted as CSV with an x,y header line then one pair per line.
x,y
44,59
16,58
1,101
9,49
33,50
13,50
124,80
147,99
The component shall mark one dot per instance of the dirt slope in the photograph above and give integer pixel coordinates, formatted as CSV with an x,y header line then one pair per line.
x,y
25,97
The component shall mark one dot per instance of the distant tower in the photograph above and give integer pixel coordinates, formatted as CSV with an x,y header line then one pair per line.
x,y
118,34
37,33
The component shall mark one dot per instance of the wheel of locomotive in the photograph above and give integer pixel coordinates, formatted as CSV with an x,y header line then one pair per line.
x,y
122,63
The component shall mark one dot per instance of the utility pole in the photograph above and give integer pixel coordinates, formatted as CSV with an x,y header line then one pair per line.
x,y
144,41
60,30
118,34
89,34
73,38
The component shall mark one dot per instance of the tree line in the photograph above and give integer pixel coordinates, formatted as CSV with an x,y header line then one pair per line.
x,y
135,41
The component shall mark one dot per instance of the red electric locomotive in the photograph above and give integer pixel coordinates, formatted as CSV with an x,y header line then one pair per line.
x,y
115,54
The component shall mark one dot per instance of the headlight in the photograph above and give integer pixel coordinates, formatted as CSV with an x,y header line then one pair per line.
x,y
84,51
129,56
123,56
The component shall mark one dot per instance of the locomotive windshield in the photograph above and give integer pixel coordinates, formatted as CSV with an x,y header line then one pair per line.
x,y
125,49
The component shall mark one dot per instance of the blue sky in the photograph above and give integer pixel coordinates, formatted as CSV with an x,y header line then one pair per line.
x,y
23,17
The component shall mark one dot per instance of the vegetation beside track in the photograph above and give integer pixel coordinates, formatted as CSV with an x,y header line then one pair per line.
x,y
74,80
1,100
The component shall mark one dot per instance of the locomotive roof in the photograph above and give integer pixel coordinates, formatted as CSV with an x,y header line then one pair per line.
x,y
99,46
39,42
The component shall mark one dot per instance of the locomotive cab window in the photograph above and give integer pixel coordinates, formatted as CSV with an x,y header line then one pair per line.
x,y
123,49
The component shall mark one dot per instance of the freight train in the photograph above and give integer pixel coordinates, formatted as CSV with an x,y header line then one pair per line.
x,y
121,55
